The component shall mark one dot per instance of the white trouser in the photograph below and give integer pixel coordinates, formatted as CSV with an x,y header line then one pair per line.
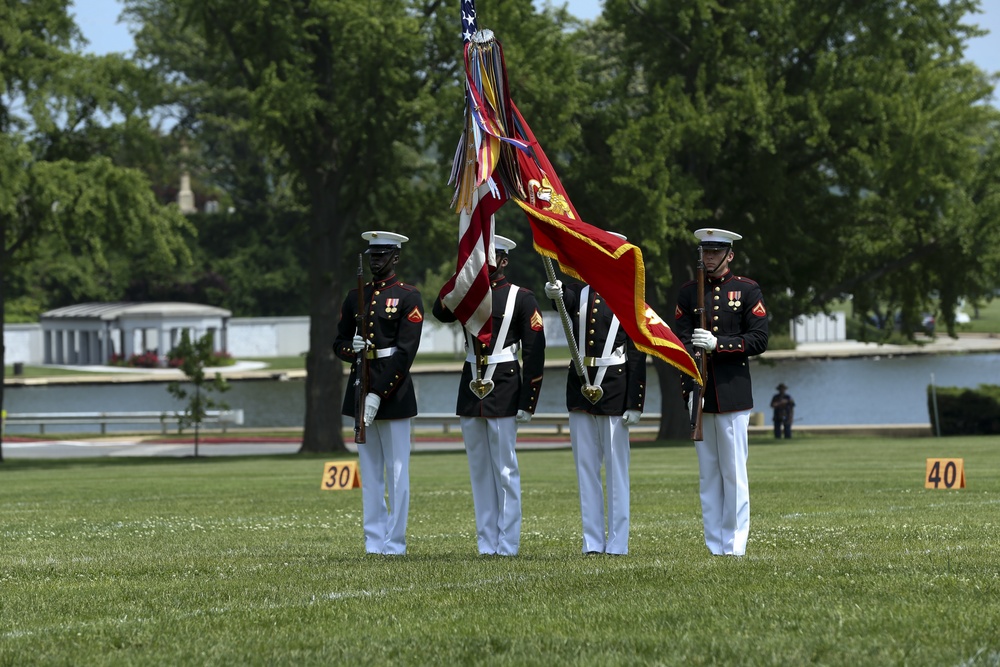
x,y
598,439
725,490
496,482
387,450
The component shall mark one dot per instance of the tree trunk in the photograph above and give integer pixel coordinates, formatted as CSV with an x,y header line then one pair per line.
x,y
324,371
675,422
3,307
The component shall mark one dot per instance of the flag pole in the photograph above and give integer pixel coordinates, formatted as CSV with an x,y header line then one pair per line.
x,y
591,392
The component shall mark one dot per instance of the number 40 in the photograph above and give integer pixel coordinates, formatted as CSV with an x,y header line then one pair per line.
x,y
945,473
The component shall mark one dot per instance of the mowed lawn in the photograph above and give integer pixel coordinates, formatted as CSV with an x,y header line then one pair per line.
x,y
245,561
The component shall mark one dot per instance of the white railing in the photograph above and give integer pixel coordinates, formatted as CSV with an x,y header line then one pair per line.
x,y
165,419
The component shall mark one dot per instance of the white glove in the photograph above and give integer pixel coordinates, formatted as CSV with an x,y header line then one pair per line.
x,y
523,417
372,401
359,343
631,417
553,290
704,339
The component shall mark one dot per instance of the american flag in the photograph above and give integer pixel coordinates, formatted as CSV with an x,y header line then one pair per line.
x,y
467,294
468,20
498,158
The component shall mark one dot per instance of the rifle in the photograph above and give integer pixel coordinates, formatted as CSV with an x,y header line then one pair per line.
x,y
698,391
361,372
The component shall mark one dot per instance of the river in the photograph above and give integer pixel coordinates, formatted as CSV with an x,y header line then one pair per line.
x,y
876,390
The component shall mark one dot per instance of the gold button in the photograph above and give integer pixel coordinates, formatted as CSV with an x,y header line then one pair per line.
x,y
715,307
597,300
715,328
594,310
718,289
591,332
716,297
377,292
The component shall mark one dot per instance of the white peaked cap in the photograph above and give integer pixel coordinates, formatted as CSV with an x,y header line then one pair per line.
x,y
384,238
712,236
503,243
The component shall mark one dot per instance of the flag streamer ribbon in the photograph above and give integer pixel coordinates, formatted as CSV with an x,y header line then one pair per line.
x,y
497,158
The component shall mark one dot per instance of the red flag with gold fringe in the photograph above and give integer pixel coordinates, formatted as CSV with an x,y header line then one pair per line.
x,y
500,158
604,261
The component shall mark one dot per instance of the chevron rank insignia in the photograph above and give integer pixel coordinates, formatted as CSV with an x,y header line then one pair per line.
x,y
536,321
415,315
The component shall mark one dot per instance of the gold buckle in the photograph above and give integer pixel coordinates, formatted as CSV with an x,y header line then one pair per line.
x,y
590,362
484,359
370,354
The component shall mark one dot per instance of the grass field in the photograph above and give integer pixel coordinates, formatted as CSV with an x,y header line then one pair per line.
x,y
245,561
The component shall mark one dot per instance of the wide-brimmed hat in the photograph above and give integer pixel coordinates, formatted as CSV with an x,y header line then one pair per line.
x,y
503,244
379,241
711,237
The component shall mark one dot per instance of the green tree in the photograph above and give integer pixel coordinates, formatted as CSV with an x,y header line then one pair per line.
x,y
844,141
329,88
350,110
193,358
53,192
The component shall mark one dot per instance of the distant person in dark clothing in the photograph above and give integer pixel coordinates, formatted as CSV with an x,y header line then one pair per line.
x,y
784,412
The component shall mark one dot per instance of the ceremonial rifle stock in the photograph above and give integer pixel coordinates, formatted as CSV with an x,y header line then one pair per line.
x,y
361,372
698,391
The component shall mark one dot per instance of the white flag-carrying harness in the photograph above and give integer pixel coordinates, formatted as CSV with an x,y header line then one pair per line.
x,y
609,356
506,354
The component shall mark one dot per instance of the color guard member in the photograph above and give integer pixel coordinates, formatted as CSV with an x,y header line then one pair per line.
x,y
737,329
495,395
395,313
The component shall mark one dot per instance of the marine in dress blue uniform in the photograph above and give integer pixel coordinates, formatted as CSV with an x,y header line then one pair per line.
x,y
395,313
489,423
599,432
736,318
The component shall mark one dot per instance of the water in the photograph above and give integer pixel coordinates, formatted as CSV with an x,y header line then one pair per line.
x,y
827,392
877,390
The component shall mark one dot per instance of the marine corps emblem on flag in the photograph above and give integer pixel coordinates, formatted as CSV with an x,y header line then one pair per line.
x,y
759,309
415,315
536,321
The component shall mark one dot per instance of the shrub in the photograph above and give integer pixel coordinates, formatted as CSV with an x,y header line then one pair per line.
x,y
214,360
962,411
144,360
780,342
